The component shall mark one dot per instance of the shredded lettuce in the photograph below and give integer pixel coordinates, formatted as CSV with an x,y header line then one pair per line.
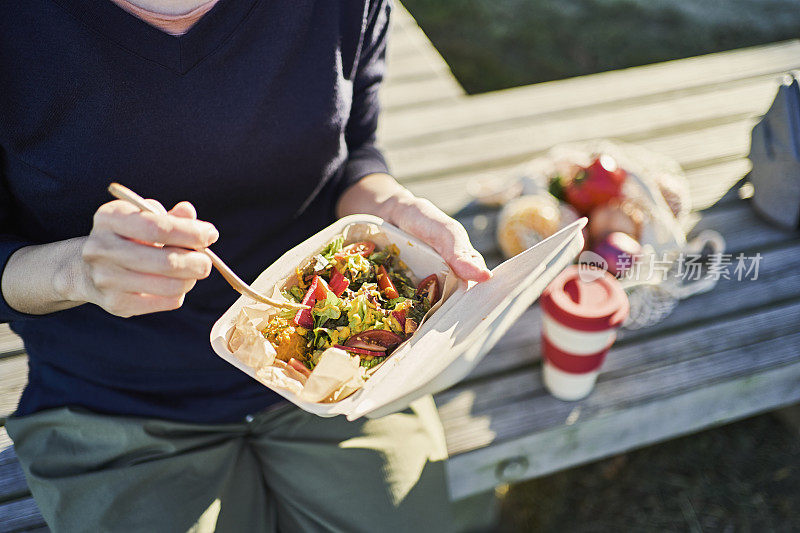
x,y
357,314
334,247
327,309
394,302
381,257
419,310
287,313
325,337
358,266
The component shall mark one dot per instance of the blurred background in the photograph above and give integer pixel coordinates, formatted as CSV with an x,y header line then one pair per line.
x,y
495,44
739,477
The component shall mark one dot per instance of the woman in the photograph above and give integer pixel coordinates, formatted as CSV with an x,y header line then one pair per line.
x,y
259,116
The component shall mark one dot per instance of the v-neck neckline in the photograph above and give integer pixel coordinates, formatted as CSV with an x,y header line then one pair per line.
x,y
177,53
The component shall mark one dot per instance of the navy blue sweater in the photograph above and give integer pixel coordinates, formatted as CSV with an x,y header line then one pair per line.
x,y
260,116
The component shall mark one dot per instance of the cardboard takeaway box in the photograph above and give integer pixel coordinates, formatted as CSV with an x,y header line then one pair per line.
x,y
449,343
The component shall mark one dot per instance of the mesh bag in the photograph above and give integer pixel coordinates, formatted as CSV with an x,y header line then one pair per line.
x,y
658,188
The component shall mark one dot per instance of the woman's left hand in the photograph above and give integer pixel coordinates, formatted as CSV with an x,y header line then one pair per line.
x,y
381,195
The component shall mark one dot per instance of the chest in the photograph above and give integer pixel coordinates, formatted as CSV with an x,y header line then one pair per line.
x,y
258,120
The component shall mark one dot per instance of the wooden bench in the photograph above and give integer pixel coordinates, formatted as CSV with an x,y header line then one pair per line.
x,y
719,357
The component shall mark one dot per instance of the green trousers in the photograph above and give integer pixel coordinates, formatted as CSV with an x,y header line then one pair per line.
x,y
281,470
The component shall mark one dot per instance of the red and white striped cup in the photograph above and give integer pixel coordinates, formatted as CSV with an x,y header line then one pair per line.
x,y
581,313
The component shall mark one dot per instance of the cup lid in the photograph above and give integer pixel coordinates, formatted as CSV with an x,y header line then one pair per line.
x,y
592,302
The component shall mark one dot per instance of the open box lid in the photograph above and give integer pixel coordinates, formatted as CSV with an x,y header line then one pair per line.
x,y
451,342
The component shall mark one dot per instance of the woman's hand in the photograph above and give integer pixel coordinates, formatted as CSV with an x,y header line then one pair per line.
x,y
133,263
381,195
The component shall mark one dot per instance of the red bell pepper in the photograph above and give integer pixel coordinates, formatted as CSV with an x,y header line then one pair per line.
x,y
595,185
338,282
318,290
385,284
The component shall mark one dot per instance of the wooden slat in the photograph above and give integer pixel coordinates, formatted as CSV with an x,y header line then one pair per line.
x,y
516,143
411,56
576,94
10,343
417,76
647,352
401,17
13,485
779,279
465,424
425,92
7,453
408,43
616,431
5,440
14,372
415,67
20,515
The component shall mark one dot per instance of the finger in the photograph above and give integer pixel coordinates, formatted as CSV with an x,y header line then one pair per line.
x,y
127,221
131,304
469,265
448,237
463,258
115,278
184,210
158,206
108,247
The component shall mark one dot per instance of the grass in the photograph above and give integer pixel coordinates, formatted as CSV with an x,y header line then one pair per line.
x,y
739,477
494,44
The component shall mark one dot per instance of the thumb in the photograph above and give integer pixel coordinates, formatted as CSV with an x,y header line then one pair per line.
x,y
463,258
468,264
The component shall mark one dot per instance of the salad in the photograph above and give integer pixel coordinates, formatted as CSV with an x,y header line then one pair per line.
x,y
361,299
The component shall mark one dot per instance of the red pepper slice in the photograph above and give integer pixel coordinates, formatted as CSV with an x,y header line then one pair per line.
x,y
385,284
364,248
429,288
318,290
338,282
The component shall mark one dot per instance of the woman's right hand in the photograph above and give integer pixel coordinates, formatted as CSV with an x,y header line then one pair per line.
x,y
134,263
